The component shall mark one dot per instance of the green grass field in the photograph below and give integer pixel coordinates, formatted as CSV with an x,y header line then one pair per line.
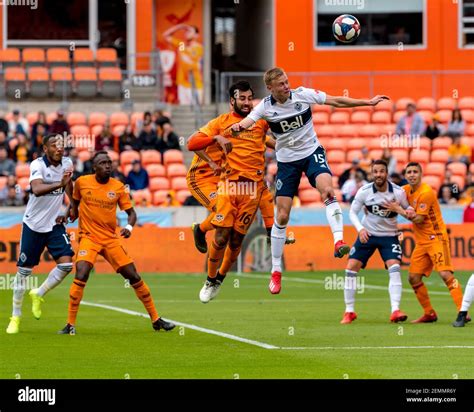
x,y
298,332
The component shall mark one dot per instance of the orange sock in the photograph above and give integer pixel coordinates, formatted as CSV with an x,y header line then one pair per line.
x,y
422,295
143,293
230,256
206,224
75,296
455,290
215,256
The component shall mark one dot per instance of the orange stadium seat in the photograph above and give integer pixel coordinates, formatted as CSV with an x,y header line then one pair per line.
x,y
114,156
110,82
420,156
80,130
426,115
272,168
338,143
446,103
374,143
106,56
376,154
10,57
22,170
435,169
76,118
320,108
398,115
182,195
150,157
135,118
466,103
467,115
155,170
33,56
62,81
324,141
439,155
38,78
15,82
159,183
460,181
457,168
118,130
58,57
360,117
304,183
426,103
348,130
3,182
309,196
128,156
381,117
83,57
441,143
339,168
336,156
24,182
51,117
425,143
470,130
401,155
173,156
86,81
176,170
368,109
433,181
356,143
384,106
118,118
320,118
160,196
353,154
464,140
386,129
339,117
84,155
444,115
369,130
179,183
97,129
96,118
326,130
140,196
126,169
401,104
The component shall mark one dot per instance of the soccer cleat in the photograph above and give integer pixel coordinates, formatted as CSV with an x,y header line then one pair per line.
x,y
341,248
14,325
206,292
460,320
199,238
398,316
275,283
215,289
288,240
426,318
348,317
67,330
468,318
160,323
36,302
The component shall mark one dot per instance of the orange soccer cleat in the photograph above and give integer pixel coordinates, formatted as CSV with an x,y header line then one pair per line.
x,y
398,316
348,317
275,283
426,318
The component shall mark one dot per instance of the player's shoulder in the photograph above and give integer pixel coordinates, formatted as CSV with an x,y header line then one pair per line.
x,y
366,187
66,161
397,188
115,183
427,190
38,162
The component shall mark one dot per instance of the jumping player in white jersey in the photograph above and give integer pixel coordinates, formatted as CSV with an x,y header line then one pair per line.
x,y
377,231
44,226
288,113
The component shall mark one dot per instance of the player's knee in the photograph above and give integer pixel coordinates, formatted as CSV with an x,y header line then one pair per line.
x,y
283,216
236,240
221,238
327,193
65,267
414,278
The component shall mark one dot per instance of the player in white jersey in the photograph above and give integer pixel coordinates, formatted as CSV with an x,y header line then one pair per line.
x,y
44,226
377,231
288,113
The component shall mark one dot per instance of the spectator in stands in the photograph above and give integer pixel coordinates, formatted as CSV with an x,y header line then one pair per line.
x,y
390,159
148,138
398,179
346,174
22,150
128,141
411,124
3,140
12,194
4,127
168,139
434,129
18,124
468,215
160,117
446,197
352,185
191,201
39,127
459,152
7,166
170,200
365,161
147,118
453,187
104,141
60,125
457,125
116,173
137,179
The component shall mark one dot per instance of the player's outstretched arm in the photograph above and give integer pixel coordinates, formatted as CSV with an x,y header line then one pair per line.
x,y
126,232
39,188
341,101
242,125
199,141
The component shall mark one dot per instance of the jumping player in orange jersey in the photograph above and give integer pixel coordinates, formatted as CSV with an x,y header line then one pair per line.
x,y
432,242
95,201
241,186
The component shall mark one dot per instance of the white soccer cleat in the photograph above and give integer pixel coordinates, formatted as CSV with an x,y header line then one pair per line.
x,y
205,295
215,289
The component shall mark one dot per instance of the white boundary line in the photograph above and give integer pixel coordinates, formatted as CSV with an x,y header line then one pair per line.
x,y
266,345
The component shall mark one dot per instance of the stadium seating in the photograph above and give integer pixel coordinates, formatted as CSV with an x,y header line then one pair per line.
x,y
173,156
457,168
83,57
179,183
118,118
159,196
128,156
106,57
76,118
426,103
61,78
435,169
466,103
182,195
446,103
433,181
10,57
33,56
86,81
159,183
15,82
150,157
155,170
110,82
142,196
57,57
176,170
38,79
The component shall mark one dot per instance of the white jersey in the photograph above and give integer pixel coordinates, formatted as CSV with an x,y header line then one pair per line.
x,y
291,123
378,221
42,211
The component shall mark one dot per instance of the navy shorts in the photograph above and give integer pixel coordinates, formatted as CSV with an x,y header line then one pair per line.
x,y
388,247
32,245
289,174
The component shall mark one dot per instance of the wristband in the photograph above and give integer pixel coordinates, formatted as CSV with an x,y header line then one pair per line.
x,y
129,228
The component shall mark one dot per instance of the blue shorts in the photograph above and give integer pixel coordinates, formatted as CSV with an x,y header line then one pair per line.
x,y
32,245
388,247
289,174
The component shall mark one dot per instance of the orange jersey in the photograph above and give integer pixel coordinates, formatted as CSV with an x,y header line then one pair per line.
x,y
425,203
98,207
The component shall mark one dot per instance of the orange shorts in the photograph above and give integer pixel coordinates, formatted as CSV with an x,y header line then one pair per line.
x,y
427,256
113,252
204,190
237,204
267,207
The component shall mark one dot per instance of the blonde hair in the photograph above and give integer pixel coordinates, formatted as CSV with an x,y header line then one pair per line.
x,y
272,74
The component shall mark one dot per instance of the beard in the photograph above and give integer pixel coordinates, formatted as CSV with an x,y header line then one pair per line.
x,y
239,111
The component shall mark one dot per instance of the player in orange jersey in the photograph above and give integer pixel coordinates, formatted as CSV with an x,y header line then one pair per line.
x,y
95,201
432,242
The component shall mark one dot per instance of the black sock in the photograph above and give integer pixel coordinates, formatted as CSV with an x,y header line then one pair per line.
x,y
212,280
220,277
269,231
463,313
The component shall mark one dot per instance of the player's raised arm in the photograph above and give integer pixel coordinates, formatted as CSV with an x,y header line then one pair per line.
x,y
199,141
341,101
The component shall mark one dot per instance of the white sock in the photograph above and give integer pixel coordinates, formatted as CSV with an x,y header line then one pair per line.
x,y
395,286
19,289
334,217
277,243
468,295
350,289
54,278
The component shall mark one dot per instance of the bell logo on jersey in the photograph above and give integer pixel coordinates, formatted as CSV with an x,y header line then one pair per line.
x,y
380,211
287,126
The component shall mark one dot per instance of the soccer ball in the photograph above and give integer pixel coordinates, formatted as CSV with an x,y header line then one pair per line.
x,y
346,28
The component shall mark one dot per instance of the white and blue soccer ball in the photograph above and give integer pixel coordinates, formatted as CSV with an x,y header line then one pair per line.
x,y
346,28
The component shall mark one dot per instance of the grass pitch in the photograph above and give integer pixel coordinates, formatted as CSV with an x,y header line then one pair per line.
x,y
244,333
